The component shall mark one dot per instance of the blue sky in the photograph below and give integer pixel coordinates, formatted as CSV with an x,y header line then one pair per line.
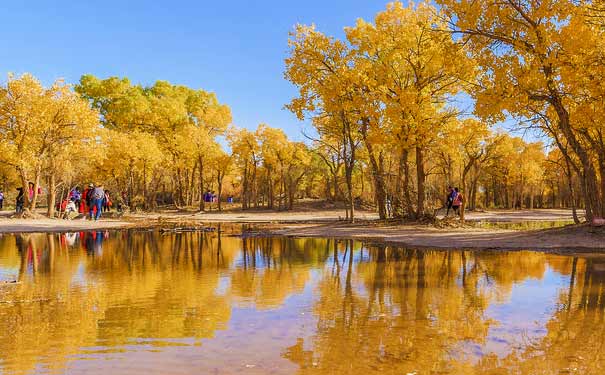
x,y
235,48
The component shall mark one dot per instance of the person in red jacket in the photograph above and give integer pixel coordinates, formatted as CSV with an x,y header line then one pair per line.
x,y
86,199
457,202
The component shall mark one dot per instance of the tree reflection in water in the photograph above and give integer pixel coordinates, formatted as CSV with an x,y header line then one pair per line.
x,y
369,309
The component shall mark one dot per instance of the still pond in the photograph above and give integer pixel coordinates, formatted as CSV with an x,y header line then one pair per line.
x,y
219,302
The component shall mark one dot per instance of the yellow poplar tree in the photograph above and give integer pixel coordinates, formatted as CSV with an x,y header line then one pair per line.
x,y
539,61
39,127
416,68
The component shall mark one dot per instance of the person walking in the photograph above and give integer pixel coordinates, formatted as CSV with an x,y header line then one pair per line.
x,y
69,209
107,202
457,201
76,196
208,199
30,190
86,199
389,207
213,199
1,199
97,196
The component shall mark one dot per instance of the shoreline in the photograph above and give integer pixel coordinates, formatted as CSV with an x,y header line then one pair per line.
x,y
565,240
326,224
15,226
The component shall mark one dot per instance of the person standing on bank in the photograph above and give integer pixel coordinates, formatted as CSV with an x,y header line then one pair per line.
x,y
76,195
20,201
98,195
1,199
107,202
86,201
457,202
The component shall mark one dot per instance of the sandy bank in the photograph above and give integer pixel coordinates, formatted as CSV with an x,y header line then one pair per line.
x,y
57,225
565,239
325,223
334,215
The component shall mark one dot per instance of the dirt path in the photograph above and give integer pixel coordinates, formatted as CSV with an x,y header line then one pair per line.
x,y
56,225
265,216
507,216
321,216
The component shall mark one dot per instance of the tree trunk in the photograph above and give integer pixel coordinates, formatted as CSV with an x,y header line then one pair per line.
x,y
572,194
186,185
270,189
398,201
254,184
349,157
328,190
145,198
378,179
32,203
450,170
377,172
25,187
52,195
421,176
473,197
407,197
601,160
191,186
219,182
465,172
349,182
462,209
336,187
591,199
401,200
131,182
201,183
589,177
244,192
291,191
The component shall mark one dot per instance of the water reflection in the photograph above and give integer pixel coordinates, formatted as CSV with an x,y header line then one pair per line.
x,y
217,302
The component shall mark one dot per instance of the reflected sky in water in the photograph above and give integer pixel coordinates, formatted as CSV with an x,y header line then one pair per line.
x,y
217,302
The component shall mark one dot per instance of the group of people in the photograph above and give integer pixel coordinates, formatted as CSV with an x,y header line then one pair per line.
x,y
92,201
211,197
454,201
